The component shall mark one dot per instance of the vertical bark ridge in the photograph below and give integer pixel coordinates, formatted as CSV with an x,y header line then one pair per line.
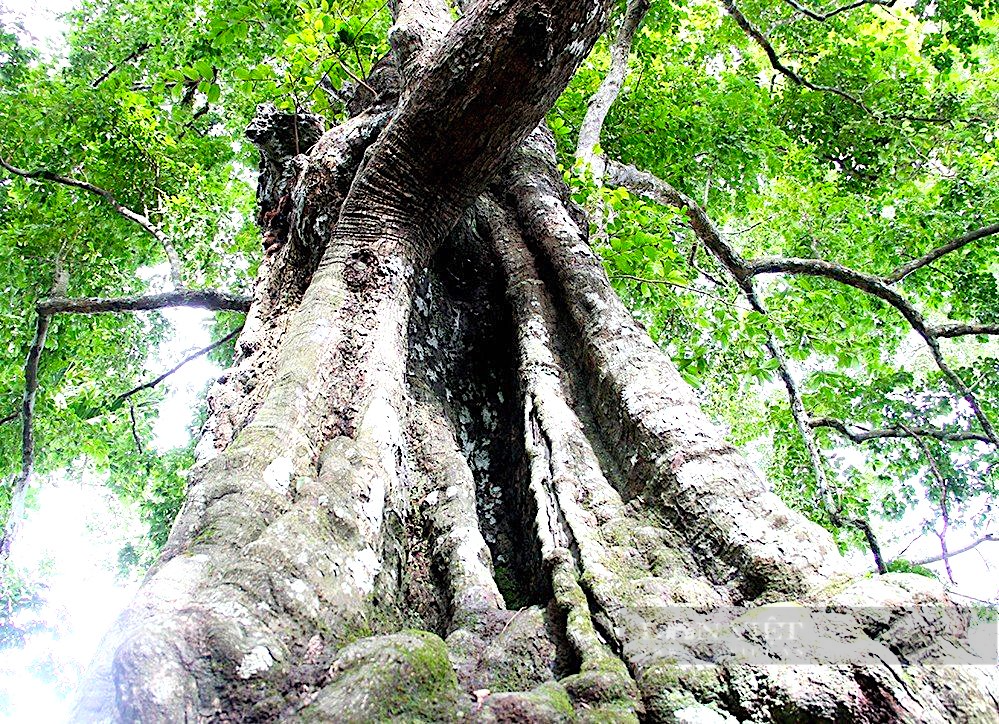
x,y
299,197
673,456
339,376
642,614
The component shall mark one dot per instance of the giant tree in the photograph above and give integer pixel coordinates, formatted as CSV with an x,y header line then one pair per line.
x,y
447,473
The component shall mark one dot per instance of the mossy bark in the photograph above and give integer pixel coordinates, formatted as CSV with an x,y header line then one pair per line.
x,y
450,478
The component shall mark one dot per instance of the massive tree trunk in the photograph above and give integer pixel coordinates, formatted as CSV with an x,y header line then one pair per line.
x,y
449,476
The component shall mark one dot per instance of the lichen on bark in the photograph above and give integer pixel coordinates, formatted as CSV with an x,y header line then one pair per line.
x,y
450,478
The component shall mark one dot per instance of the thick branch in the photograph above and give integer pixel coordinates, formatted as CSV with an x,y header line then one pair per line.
x,y
906,269
601,102
958,329
141,219
861,434
202,298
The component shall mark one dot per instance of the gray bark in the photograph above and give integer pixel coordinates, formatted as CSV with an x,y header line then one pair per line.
x,y
449,477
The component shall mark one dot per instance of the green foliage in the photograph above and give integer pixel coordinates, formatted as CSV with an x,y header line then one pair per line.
x,y
152,97
788,171
900,565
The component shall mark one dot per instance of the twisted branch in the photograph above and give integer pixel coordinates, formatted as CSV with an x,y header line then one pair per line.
x,y
860,434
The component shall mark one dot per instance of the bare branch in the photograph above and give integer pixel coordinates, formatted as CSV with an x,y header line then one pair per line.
x,y
191,357
201,298
859,434
822,17
142,220
906,269
10,418
601,101
987,538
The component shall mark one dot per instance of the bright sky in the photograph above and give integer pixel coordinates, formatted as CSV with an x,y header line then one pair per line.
x,y
72,539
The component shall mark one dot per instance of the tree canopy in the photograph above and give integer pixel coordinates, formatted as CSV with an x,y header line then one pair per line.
x,y
800,201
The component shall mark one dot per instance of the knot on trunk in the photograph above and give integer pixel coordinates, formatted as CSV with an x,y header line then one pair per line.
x,y
280,135
362,269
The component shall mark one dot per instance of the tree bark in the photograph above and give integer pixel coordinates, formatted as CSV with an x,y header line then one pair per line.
x,y
449,477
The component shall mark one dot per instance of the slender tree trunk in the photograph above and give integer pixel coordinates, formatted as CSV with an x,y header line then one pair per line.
x,y
449,477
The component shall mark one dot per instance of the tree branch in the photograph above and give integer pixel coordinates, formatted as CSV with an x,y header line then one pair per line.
x,y
957,329
764,42
201,298
945,514
860,434
822,17
46,309
742,271
191,357
876,287
987,538
702,292
141,220
114,66
601,101
20,483
799,414
652,187
657,189
135,431
906,269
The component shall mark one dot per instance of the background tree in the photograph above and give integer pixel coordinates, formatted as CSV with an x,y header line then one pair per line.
x,y
781,192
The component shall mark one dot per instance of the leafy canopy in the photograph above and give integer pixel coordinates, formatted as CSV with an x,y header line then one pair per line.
x,y
151,98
